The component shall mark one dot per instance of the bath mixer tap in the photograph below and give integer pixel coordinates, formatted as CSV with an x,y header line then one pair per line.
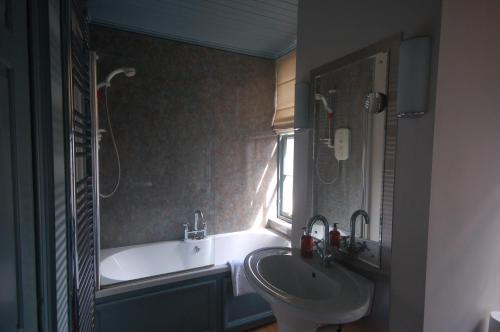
x,y
186,231
196,234
197,216
353,247
323,253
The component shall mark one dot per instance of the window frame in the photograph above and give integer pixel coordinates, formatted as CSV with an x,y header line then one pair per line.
x,y
282,138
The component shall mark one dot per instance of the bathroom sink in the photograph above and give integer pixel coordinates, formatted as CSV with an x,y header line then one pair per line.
x,y
305,295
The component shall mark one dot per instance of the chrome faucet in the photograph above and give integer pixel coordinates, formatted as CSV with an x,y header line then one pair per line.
x,y
352,242
196,233
323,254
197,216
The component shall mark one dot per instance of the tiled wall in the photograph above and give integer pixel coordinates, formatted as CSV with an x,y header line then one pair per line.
x,y
193,129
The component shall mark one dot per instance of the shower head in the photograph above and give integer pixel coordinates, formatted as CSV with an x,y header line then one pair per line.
x,y
320,97
127,71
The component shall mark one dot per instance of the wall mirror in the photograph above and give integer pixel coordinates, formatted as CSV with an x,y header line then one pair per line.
x,y
354,142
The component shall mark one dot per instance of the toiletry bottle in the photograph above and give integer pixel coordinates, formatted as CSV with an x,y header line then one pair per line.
x,y
306,245
335,237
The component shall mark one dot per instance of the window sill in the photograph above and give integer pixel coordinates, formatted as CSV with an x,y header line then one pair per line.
x,y
280,226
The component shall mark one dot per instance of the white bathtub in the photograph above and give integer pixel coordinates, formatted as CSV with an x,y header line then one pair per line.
x,y
177,260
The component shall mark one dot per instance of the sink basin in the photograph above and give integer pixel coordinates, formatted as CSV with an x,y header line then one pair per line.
x,y
305,295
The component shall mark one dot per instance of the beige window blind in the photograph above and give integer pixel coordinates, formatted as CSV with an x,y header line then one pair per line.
x,y
285,93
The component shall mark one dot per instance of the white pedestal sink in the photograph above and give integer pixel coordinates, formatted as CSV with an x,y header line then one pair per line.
x,y
303,294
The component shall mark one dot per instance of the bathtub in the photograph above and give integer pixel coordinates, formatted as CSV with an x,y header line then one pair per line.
x,y
144,265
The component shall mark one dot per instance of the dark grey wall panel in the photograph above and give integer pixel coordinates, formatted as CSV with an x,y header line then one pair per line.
x,y
263,28
193,129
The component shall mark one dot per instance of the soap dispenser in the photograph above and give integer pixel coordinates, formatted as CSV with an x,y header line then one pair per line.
x,y
335,237
306,245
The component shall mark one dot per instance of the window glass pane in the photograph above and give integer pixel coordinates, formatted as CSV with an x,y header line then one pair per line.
x,y
288,158
287,203
286,177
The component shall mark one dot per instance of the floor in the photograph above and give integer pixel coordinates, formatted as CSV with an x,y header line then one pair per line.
x,y
274,328
268,328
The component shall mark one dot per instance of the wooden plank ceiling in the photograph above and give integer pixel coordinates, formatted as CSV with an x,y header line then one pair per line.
x,y
265,28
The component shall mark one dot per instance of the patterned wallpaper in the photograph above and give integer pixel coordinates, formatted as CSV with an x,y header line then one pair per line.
x,y
193,129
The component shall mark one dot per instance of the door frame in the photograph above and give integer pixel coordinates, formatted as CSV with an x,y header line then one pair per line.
x,y
46,20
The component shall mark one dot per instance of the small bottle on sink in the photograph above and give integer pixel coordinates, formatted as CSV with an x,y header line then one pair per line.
x,y
306,245
335,237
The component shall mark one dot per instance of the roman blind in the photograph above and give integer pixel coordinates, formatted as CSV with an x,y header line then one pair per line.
x,y
285,93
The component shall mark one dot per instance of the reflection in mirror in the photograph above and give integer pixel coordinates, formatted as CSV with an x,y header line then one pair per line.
x,y
349,143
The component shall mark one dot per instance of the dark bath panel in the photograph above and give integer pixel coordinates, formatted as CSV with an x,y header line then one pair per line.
x,y
196,305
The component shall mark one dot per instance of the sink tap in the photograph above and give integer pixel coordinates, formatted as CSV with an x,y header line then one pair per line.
x,y
354,217
198,215
186,231
324,252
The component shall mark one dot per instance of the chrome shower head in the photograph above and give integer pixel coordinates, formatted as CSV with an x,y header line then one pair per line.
x,y
127,71
322,99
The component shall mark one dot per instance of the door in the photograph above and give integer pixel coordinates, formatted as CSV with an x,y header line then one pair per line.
x,y
17,244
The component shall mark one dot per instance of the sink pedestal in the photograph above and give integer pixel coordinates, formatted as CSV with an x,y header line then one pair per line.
x,y
290,323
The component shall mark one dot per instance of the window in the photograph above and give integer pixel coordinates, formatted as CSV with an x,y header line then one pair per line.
x,y
283,126
285,176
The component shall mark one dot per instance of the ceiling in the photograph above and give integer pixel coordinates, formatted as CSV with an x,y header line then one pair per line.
x,y
265,28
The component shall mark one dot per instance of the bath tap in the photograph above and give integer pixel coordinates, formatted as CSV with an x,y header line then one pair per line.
x,y
186,231
196,234
354,248
197,216
323,253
